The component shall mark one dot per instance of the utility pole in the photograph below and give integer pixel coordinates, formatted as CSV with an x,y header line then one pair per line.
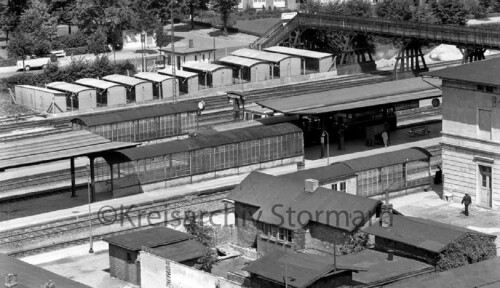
x,y
172,39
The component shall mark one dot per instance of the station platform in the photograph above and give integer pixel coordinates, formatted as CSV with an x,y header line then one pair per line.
x,y
35,211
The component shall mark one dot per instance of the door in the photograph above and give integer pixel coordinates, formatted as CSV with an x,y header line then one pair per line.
x,y
484,186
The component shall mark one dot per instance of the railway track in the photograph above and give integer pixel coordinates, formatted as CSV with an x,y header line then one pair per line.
x,y
75,229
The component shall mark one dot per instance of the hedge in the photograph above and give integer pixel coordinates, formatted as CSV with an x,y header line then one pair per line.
x,y
8,62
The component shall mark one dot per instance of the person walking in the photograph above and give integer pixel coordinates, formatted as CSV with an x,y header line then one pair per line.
x,y
466,201
438,179
385,138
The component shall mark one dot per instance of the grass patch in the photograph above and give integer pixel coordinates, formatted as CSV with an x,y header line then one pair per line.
x,y
256,26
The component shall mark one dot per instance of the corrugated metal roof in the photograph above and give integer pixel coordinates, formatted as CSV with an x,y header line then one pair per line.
x,y
140,112
57,93
302,269
203,66
388,159
96,83
124,80
482,274
241,61
421,233
298,52
31,276
261,55
53,147
181,251
482,72
210,139
178,73
152,237
68,87
356,97
154,77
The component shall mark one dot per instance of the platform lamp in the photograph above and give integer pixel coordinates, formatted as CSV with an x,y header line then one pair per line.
x,y
91,249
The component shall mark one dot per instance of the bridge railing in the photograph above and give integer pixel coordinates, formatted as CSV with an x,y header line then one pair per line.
x,y
450,34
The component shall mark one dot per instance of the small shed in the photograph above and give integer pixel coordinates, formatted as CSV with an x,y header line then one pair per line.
x,y
246,69
281,65
124,249
312,62
77,96
41,99
188,81
210,75
138,90
162,84
108,93
189,53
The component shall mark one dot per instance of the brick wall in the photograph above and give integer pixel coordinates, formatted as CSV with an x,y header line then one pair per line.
x,y
121,268
319,238
246,226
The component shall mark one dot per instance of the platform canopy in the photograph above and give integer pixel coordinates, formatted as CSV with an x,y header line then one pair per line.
x,y
357,97
261,55
298,52
178,73
47,148
241,61
203,66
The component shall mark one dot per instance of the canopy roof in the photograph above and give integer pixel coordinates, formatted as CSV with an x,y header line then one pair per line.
x,y
178,73
53,147
241,61
154,77
261,55
388,159
298,52
141,112
483,72
203,66
96,83
55,92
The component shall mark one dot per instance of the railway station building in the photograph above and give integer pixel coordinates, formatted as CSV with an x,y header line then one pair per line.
x,y
189,53
312,61
471,131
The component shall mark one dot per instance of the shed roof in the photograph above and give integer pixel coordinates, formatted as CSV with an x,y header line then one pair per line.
x,y
53,147
154,77
356,97
140,112
483,274
421,233
68,87
181,251
96,83
388,159
203,66
150,238
482,72
31,276
202,140
301,268
381,271
56,92
178,73
241,61
124,80
186,50
261,55
323,174
298,52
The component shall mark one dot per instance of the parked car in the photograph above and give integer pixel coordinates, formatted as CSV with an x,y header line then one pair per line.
x,y
33,62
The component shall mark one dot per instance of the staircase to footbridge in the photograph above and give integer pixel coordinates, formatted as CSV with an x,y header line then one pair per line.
x,y
299,32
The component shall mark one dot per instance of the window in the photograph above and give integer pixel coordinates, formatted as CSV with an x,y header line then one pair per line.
x,y
485,88
339,186
129,258
276,233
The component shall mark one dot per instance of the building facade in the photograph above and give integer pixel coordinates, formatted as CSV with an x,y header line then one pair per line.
x,y
471,132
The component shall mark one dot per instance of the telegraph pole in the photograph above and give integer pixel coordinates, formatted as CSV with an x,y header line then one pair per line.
x,y
172,39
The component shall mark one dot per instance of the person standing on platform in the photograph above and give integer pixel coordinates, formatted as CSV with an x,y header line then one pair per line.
x,y
466,201
385,138
438,179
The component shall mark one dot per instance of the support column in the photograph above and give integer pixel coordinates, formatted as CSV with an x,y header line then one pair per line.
x,y
471,54
111,179
408,59
356,56
92,179
73,180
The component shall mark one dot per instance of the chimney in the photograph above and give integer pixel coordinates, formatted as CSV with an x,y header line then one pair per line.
x,y
191,43
386,215
311,185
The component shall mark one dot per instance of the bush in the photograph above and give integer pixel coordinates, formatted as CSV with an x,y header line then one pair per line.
x,y
73,40
354,244
8,62
76,51
469,249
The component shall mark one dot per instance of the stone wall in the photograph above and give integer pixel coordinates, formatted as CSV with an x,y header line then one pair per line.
x,y
320,239
247,229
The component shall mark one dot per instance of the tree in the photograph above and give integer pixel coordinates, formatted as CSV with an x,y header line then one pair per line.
x,y
400,10
450,12
193,5
62,10
21,45
357,8
424,14
225,8
203,235
10,11
161,37
96,42
312,6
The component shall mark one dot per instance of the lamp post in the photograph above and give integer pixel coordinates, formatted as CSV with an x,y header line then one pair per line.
x,y
91,250
325,134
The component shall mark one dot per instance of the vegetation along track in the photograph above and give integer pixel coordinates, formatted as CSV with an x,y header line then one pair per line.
x,y
75,229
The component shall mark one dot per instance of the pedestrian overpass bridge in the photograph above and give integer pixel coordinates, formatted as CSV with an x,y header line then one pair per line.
x,y
299,33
